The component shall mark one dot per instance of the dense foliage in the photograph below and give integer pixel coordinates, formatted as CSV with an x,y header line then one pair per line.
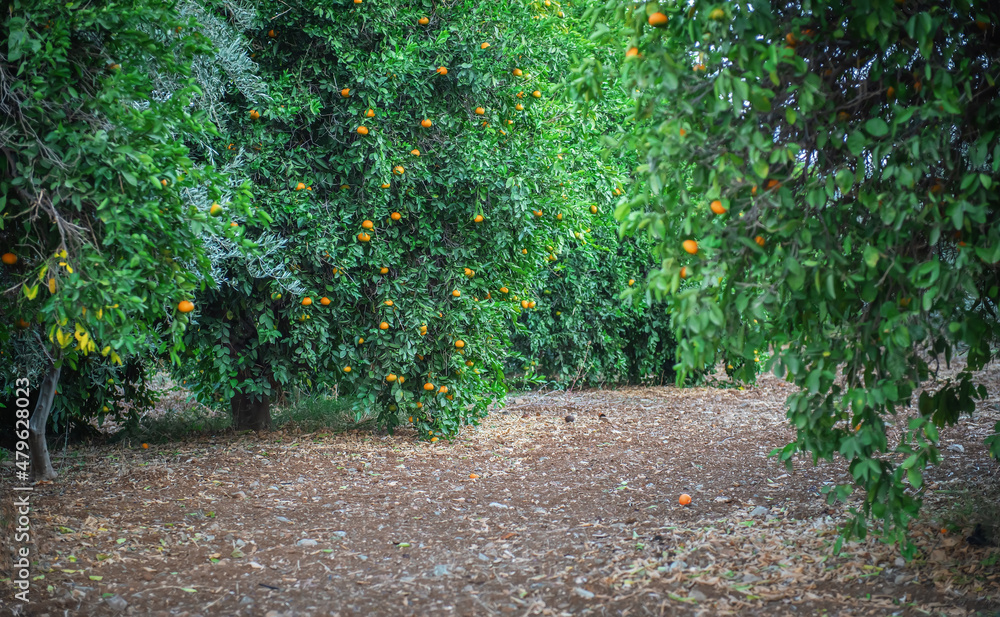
x,y
841,209
411,158
104,209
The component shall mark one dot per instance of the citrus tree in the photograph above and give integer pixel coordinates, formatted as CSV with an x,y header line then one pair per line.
x,y
403,159
826,174
103,210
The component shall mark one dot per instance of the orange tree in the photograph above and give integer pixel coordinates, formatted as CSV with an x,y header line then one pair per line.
x,y
104,211
402,158
842,211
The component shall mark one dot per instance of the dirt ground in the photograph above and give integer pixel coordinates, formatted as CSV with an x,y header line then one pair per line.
x,y
526,515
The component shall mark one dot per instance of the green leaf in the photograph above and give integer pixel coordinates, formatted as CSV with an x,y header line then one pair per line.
x,y
877,127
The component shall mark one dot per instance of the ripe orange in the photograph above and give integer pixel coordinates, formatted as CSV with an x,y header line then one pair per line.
x,y
537,212
536,94
428,386
519,107
385,185
442,70
395,216
699,67
503,290
460,344
443,390
300,186
367,224
524,304
484,46
361,340
383,326
398,170
469,363
370,113
683,132
254,114
525,251
346,92
363,237
531,304
324,301
480,111
415,152
271,34
632,52
759,240
433,439
388,302
890,92
456,293
473,475
717,207
307,301
772,184
479,218
426,123
185,306
690,246
347,369
559,216
684,272
423,21
658,19
391,377
631,282
685,499
518,72
593,209
9,258
362,130
215,210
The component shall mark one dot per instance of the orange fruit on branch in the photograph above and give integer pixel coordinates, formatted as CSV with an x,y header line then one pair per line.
x,y
537,94
442,70
456,293
9,258
518,73
480,111
426,123
717,207
300,186
363,237
307,301
690,246
383,326
366,224
346,92
484,46
324,301
395,216
428,386
658,20
423,21
460,344
362,130
759,240
185,306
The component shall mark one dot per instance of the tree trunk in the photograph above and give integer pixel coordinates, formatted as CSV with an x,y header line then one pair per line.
x,y
251,412
41,465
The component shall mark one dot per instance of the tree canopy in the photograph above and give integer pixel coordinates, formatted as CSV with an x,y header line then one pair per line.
x,y
824,174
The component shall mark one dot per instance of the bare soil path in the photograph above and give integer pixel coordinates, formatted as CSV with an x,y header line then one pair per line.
x,y
526,515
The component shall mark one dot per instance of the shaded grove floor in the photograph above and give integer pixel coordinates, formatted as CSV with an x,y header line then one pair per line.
x,y
526,515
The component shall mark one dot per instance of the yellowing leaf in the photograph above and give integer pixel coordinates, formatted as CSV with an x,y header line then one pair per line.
x,y
115,358
30,292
